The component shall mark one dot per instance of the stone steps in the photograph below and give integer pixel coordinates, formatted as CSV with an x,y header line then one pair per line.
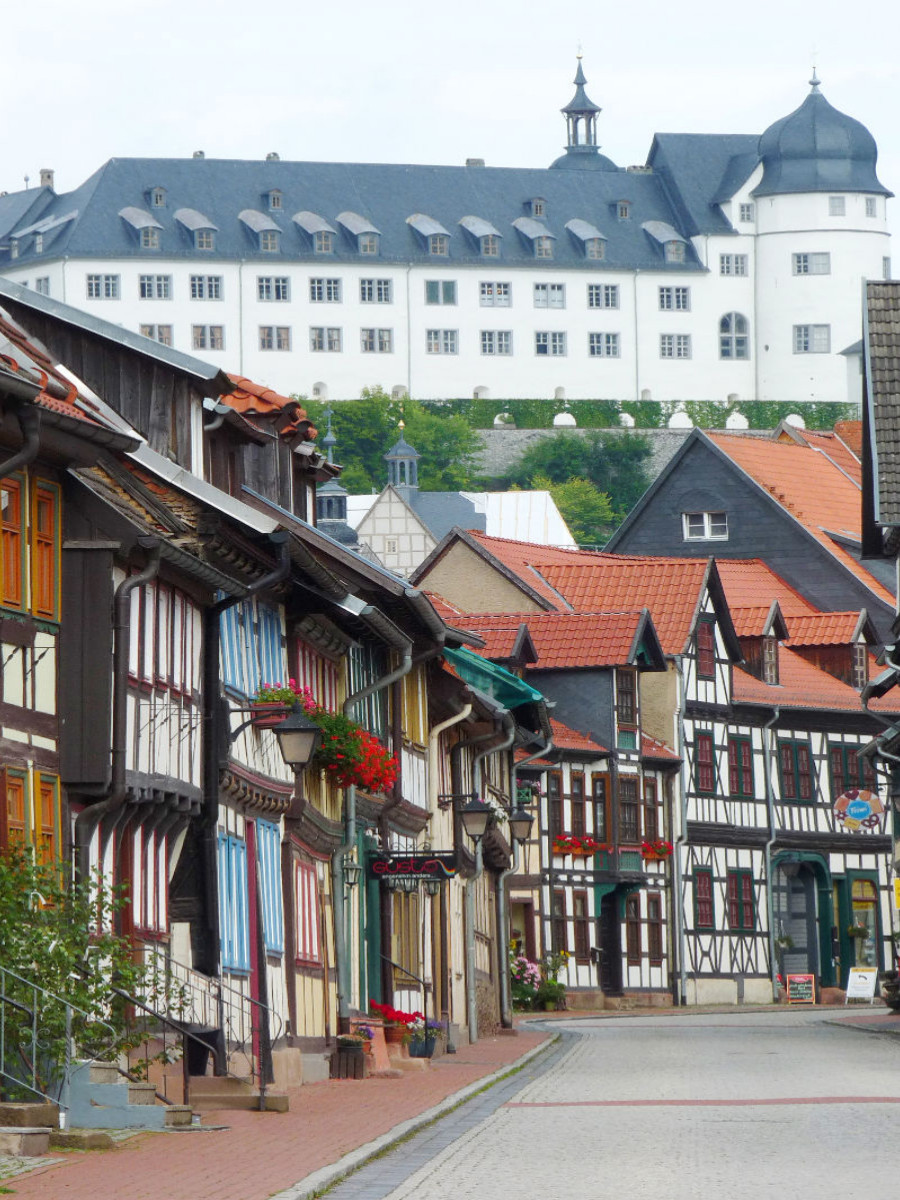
x,y
25,1141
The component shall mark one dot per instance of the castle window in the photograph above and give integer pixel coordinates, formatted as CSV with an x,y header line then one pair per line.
x,y
837,206
733,264
747,212
734,341
204,239
812,339
811,264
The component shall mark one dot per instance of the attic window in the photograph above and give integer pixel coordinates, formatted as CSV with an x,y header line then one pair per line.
x,y
675,252
323,242
770,660
204,239
268,241
149,238
595,248
39,243
490,246
158,197
543,247
368,243
623,210
14,248
439,244
860,666
705,526
538,207
275,198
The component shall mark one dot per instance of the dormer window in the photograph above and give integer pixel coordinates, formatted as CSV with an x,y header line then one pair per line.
x,y
274,198
268,241
368,243
439,244
14,248
538,207
770,660
361,230
323,242
623,210
144,224
860,665
675,252
490,246
39,243
595,248
204,239
149,238
543,247
484,235
158,197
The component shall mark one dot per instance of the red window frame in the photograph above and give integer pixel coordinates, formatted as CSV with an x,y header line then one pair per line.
x,y
651,811
706,650
307,923
633,930
740,766
704,913
704,749
741,903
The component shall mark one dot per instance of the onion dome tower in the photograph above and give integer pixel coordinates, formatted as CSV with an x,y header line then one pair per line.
x,y
403,465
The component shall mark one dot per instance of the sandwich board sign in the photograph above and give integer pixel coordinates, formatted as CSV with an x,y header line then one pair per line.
x,y
801,989
861,984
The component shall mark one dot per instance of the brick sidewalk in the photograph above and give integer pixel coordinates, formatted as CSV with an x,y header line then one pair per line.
x,y
263,1153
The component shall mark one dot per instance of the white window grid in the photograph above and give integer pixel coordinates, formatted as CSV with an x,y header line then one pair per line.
x,y
603,295
103,287
675,345
705,526
442,341
376,291
549,295
871,206
206,287
550,344
733,264
149,238
42,285
675,299
490,246
438,245
323,242
268,241
812,339
208,337
155,287
376,341
595,248
274,337
496,341
309,944
492,294
734,336
204,239
816,263
603,345
837,206
747,212
159,333
543,247
440,291
368,243
325,291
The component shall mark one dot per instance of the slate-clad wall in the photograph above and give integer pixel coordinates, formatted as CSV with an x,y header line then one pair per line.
x,y
757,528
584,700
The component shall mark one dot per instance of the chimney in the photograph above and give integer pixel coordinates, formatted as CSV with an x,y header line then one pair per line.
x,y
199,154
474,162
46,177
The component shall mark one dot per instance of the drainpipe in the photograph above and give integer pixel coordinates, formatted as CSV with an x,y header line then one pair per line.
x,y
212,739
770,805
29,419
88,819
680,843
471,994
433,742
506,1019
337,858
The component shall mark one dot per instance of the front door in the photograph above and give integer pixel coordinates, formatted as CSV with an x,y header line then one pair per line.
x,y
610,946
795,921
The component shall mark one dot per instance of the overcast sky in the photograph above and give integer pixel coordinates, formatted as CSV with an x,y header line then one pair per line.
x,y
405,81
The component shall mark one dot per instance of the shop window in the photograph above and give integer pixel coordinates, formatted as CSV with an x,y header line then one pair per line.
x,y
864,900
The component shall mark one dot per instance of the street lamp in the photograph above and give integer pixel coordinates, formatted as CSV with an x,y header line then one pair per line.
x,y
520,823
475,817
352,872
298,737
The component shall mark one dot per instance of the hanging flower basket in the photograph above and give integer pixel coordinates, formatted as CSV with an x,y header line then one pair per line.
x,y
858,931
266,715
656,851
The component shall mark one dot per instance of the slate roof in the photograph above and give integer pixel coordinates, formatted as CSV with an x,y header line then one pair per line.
x,y
882,359
811,489
385,195
700,169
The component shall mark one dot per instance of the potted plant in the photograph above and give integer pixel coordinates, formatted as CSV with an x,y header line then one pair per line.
x,y
350,1043
858,930
396,1022
656,851
423,1037
350,755
784,942
551,995
525,977
273,701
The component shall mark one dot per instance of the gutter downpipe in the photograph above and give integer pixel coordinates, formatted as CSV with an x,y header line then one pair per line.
x,y
28,417
471,997
88,819
680,843
506,1018
770,805
212,736
349,843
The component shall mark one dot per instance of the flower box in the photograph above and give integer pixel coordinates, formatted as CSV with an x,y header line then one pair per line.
x,y
267,714
657,851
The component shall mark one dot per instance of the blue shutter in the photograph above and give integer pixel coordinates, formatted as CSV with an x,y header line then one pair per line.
x,y
271,658
269,855
241,909
228,627
225,910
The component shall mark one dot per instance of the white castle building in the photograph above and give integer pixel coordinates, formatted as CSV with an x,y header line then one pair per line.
x,y
728,266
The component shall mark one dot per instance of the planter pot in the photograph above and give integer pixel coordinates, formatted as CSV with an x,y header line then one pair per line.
x,y
266,714
651,857
394,1035
423,1049
351,1048
550,1005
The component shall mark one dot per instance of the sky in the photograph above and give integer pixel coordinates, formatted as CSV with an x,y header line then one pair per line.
x,y
403,81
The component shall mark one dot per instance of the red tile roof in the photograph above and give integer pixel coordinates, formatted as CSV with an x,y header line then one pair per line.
x,y
561,639
442,605
750,622
850,433
565,738
750,584
653,748
811,488
834,447
823,629
591,582
800,685
26,356
253,400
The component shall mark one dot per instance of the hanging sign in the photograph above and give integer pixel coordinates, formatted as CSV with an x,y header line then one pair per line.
x,y
417,866
861,984
801,989
897,891
858,809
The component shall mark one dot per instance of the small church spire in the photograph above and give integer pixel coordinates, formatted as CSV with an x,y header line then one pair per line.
x,y
402,463
814,83
581,117
329,441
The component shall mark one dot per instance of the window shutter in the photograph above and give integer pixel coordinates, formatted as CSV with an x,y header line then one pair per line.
x,y
803,772
788,779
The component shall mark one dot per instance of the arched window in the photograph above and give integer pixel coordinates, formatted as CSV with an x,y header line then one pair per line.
x,y
734,336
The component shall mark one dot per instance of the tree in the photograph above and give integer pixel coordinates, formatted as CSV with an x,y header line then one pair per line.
x,y
587,511
367,428
615,463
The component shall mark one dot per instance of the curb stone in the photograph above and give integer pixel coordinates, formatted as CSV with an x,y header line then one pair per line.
x,y
314,1184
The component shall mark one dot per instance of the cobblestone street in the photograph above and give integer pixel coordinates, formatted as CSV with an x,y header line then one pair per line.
x,y
739,1105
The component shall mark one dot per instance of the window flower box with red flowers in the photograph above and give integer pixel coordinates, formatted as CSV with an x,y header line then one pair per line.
x,y
273,702
577,846
656,851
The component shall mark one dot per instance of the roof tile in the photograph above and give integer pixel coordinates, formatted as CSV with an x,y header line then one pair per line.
x,y
561,639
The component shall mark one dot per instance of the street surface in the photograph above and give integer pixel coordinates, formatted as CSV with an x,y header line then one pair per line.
x,y
737,1105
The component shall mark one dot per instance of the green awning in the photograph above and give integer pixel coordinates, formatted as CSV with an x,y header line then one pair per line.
x,y
498,683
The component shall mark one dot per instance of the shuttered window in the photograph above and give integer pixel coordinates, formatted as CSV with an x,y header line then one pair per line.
x,y
706,650
633,930
601,819
318,673
576,799
740,767
309,945
741,908
705,764
406,938
654,930
704,914
13,829
554,800
45,551
46,822
234,922
795,769
251,642
268,854
582,925
629,810
12,542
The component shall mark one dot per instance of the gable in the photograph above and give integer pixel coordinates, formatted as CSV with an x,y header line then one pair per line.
x,y
471,582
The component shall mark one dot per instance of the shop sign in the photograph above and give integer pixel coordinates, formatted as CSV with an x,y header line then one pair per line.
x,y
858,809
801,989
861,984
414,866
897,891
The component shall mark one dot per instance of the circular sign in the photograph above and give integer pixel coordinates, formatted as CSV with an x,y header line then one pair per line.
x,y
858,808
